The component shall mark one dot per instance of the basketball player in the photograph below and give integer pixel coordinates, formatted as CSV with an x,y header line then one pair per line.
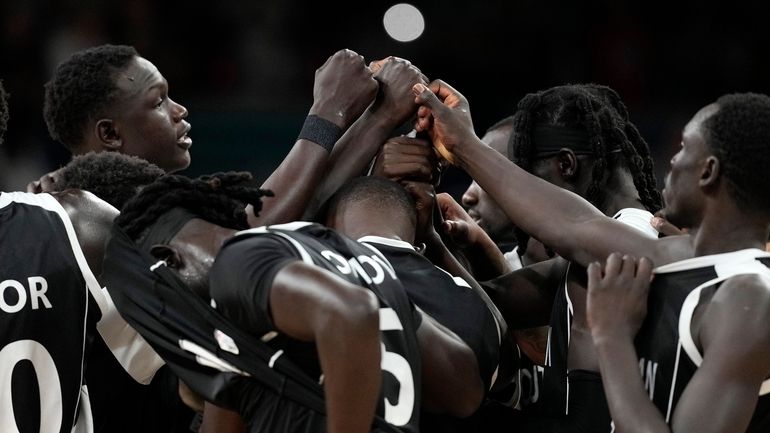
x,y
109,98
300,287
716,188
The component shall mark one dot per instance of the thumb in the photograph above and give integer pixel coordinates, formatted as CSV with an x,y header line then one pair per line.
x,y
423,96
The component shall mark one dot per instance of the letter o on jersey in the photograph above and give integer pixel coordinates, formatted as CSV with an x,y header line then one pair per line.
x,y
38,286
20,302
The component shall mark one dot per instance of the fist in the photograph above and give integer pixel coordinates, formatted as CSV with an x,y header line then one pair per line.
x,y
344,86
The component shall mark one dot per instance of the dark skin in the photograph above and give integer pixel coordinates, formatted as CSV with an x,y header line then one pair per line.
x,y
144,122
412,162
344,87
484,211
697,197
363,139
342,319
531,306
444,389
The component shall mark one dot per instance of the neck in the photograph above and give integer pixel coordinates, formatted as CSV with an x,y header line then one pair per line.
x,y
729,229
621,193
357,226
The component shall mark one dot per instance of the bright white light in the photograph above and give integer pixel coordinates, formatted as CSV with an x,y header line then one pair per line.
x,y
403,22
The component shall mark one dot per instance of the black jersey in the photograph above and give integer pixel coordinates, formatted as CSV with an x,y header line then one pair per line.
x,y
237,360
668,356
453,303
578,395
448,299
240,283
50,304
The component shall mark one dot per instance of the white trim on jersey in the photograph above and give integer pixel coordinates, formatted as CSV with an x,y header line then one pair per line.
x,y
744,265
128,347
638,219
292,226
396,243
713,260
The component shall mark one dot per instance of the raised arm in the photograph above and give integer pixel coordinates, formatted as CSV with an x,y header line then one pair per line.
x,y
344,86
564,221
355,150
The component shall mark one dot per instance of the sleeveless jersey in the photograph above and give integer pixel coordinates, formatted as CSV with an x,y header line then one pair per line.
x,y
50,307
453,303
668,356
44,305
448,299
559,388
228,351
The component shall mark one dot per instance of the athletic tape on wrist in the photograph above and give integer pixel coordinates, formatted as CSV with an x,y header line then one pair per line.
x,y
320,131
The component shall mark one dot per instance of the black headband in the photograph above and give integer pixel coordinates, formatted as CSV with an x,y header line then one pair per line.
x,y
166,227
549,140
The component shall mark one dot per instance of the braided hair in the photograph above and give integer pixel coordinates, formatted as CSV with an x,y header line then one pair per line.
x,y
600,112
219,198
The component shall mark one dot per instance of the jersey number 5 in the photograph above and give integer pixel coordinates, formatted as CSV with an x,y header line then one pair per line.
x,y
400,413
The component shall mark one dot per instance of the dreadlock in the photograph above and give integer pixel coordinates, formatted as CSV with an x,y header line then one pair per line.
x,y
219,198
600,112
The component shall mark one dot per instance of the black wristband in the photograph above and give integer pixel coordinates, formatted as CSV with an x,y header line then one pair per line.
x,y
320,131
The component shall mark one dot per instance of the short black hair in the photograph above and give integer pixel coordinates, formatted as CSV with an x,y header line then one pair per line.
x,y
80,90
220,199
739,135
376,192
601,113
111,176
3,111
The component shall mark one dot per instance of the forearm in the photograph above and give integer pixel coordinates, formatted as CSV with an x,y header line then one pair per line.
x,y
486,260
220,420
630,406
541,209
438,253
350,157
349,351
293,184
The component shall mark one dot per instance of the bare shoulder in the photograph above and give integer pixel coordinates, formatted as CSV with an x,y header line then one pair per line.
x,y
738,313
92,220
747,294
85,205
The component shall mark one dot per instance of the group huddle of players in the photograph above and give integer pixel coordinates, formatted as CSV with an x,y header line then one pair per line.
x,y
342,294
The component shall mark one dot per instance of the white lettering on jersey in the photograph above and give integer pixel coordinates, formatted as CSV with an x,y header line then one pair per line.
x,y
355,266
648,369
38,286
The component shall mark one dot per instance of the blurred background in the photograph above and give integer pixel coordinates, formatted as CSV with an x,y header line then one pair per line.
x,y
244,69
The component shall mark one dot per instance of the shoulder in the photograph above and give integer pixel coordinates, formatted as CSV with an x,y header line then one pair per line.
x,y
737,314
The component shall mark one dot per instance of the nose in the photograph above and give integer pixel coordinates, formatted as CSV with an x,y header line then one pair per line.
x,y
471,195
179,111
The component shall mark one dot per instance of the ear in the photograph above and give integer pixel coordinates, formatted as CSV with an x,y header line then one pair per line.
x,y
107,134
710,172
568,163
168,254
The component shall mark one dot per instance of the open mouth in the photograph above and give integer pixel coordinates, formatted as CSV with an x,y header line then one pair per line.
x,y
184,141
